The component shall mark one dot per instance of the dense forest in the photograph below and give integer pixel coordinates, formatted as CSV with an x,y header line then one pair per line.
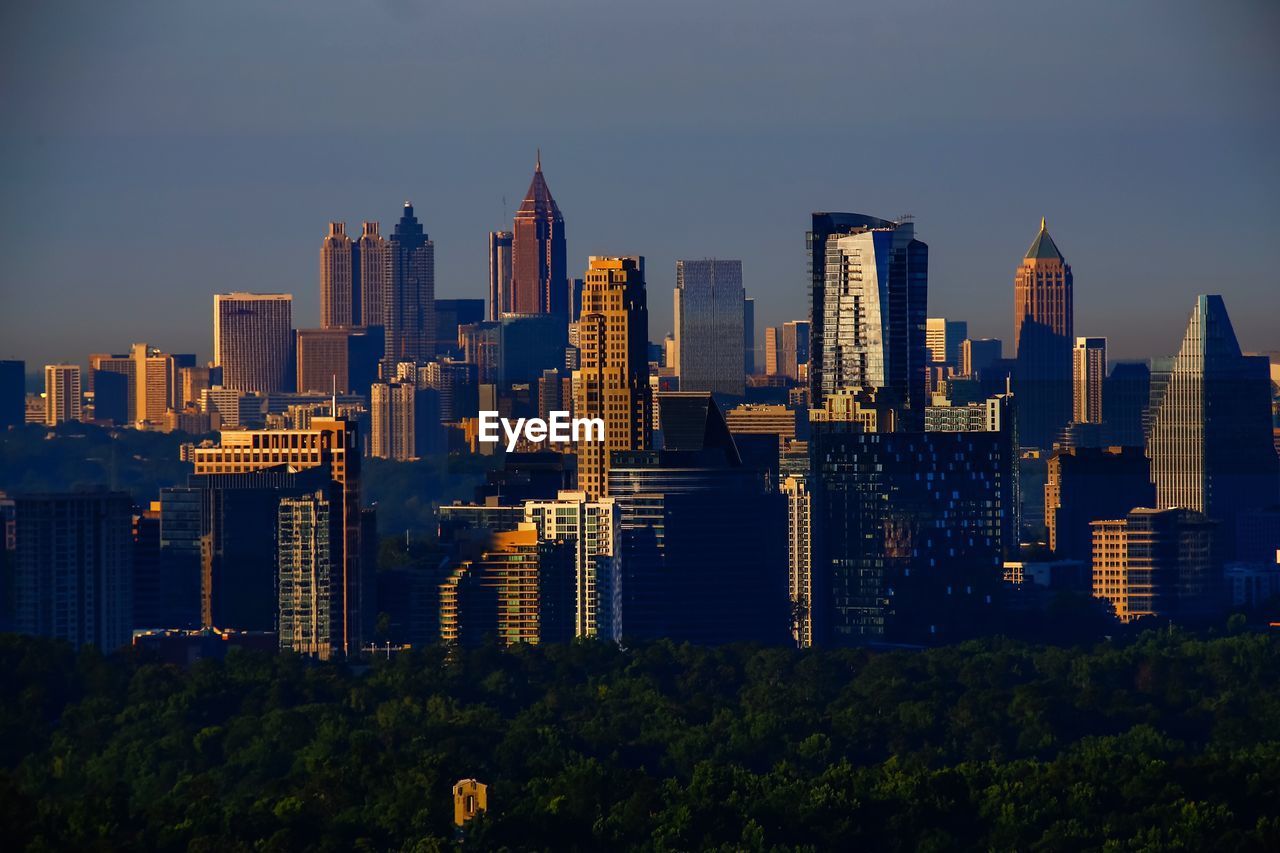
x,y
1169,741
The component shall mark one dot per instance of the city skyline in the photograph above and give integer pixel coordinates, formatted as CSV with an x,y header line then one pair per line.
x,y
1186,133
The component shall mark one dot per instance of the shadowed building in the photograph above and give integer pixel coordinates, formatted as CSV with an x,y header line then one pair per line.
x,y
1210,446
409,309
1088,371
499,275
709,322
1043,333
1158,563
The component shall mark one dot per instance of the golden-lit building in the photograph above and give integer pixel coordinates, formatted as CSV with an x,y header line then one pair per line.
x,y
1089,371
866,406
762,419
612,381
373,269
332,441
515,586
61,393
253,340
800,557
337,279
1156,562
470,798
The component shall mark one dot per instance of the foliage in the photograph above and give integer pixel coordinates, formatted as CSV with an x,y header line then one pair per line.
x,y
1171,741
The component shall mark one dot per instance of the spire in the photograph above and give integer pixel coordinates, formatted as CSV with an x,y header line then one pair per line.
x,y
537,165
538,202
1043,248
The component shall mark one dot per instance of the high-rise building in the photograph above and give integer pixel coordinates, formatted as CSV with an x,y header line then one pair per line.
x,y
253,340
910,529
61,393
192,383
873,324
1088,371
539,272
409,307
800,557
13,384
709,321
339,280
612,382
1043,332
1157,563
703,540
762,419
393,421
73,570
978,354
793,353
749,336
323,360
1210,447
772,351
309,614
452,314
593,529
332,443
1125,395
155,383
499,275
180,557
371,262
1089,484
942,337
515,586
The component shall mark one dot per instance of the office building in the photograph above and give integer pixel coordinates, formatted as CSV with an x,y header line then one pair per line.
x,y
500,296
593,532
253,341
1085,485
749,336
910,529
1211,446
1125,396
1159,563
979,354
1043,332
1089,370
874,316
514,586
332,444
452,314
73,567
710,316
409,306
539,271
155,383
393,421
612,381
62,400
307,536
13,390
943,337
703,541
800,557
339,280
371,262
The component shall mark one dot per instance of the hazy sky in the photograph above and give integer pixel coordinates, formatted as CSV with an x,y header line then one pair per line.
x,y
152,154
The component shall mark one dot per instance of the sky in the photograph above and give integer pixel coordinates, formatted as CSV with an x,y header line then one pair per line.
x,y
155,153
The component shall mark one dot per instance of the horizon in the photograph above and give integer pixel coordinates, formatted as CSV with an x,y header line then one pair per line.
x,y
141,195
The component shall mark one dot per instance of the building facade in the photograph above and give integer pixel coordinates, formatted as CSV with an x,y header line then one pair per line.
x,y
710,318
253,341
409,312
62,395
1157,563
339,279
1088,372
1043,330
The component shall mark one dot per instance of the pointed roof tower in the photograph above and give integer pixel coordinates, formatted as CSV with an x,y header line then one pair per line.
x,y
1043,248
538,202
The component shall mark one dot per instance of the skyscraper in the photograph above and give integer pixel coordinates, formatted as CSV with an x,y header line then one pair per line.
x,y
1089,484
309,612
331,442
1125,396
61,393
873,307
749,337
772,351
709,319
1043,332
13,383
539,272
409,308
793,348
73,570
594,530
612,382
1089,370
339,296
1157,563
943,338
155,383
393,421
499,275
1210,447
372,265
800,557
253,340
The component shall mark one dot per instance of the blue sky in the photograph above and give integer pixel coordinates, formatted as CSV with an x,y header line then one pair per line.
x,y
155,153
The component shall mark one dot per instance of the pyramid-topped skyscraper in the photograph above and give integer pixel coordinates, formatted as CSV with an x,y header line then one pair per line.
x,y
1210,444
539,280
1043,329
